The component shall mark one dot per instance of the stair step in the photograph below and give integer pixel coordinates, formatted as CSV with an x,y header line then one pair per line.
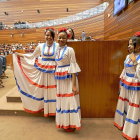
x,y
13,95
14,108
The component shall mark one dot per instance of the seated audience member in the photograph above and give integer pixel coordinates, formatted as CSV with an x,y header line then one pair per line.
x,y
88,38
13,48
30,47
80,39
16,25
19,24
1,26
20,46
23,25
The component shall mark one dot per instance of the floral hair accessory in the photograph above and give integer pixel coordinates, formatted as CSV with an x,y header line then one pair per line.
x,y
64,30
48,29
137,34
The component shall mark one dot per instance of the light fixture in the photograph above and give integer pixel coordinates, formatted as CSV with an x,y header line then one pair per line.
x,y
67,9
5,13
22,34
38,11
12,34
108,15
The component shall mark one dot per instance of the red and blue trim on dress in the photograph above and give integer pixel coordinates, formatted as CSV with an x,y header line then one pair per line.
x,y
39,67
129,86
62,75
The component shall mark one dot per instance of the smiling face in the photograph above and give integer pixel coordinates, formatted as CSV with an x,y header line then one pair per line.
x,y
62,39
71,33
132,48
48,37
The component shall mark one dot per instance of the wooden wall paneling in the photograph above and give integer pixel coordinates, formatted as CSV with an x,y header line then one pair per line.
x,y
82,57
99,83
93,57
93,26
124,25
49,9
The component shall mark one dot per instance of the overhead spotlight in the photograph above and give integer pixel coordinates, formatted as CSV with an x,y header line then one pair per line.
x,y
108,15
38,11
22,34
67,9
12,34
22,11
5,13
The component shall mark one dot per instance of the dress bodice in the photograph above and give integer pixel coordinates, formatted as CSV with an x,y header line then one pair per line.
x,y
43,57
128,64
66,63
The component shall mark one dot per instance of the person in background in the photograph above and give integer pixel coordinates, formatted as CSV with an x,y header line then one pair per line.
x,y
72,36
88,38
23,25
127,115
80,39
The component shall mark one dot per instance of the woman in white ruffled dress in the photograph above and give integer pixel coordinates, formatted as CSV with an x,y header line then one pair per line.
x,y
35,76
68,111
127,115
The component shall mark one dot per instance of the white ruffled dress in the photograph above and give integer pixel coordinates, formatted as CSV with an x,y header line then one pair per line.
x,y
35,78
127,115
68,111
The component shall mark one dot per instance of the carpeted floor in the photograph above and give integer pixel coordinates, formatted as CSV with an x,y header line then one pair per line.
x,y
41,128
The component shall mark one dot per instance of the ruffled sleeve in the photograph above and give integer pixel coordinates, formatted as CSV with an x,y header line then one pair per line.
x,y
74,68
30,58
123,73
137,74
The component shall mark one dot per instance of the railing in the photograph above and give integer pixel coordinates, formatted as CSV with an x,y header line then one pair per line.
x,y
73,18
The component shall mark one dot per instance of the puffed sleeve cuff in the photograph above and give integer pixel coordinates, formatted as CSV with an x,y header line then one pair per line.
x,y
123,73
30,59
74,68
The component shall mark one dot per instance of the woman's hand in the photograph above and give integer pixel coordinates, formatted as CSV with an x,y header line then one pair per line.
x,y
19,54
74,89
132,57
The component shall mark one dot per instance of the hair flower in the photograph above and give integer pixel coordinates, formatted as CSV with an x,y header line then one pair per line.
x,y
137,34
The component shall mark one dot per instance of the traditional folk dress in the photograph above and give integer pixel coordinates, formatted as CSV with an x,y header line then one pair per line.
x,y
127,116
68,113
35,79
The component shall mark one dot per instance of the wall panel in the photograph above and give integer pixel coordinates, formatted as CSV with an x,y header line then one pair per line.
x,y
49,9
124,25
101,64
92,26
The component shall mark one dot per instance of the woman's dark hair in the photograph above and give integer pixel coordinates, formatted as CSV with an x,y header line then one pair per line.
x,y
52,33
135,41
72,32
